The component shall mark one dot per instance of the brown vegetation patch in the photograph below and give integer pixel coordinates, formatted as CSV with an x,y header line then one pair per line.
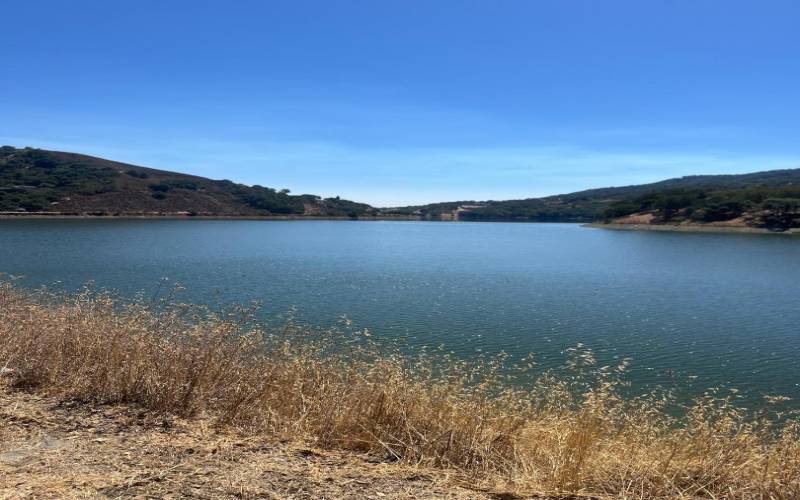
x,y
55,449
245,400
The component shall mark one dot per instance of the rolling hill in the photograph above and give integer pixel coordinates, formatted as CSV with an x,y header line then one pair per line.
x,y
769,199
40,181
35,181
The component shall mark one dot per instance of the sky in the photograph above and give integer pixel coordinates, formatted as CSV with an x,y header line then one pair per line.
x,y
405,102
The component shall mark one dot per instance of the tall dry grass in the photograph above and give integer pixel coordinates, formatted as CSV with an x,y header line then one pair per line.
x,y
557,435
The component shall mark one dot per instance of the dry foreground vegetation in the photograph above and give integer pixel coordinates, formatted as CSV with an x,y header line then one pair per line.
x,y
100,397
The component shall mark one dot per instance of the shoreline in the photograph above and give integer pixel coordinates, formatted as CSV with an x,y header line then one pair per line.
x,y
297,217
689,228
212,405
667,228
41,216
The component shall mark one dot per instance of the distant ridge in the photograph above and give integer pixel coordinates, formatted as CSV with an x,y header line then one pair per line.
x,y
35,181
769,199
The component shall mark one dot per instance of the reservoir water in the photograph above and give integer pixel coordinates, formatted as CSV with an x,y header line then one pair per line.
x,y
700,310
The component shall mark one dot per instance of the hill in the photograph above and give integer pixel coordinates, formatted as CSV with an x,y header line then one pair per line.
x,y
40,181
768,199
35,181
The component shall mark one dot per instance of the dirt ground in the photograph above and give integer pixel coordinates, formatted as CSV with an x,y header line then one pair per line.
x,y
56,449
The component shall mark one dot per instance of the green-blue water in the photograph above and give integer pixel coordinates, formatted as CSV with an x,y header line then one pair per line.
x,y
703,309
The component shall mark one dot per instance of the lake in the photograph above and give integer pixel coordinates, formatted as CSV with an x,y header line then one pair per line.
x,y
701,310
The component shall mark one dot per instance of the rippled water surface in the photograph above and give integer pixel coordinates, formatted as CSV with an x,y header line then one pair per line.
x,y
702,309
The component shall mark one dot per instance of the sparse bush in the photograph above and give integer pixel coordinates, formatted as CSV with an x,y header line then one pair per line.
x,y
781,214
32,205
161,187
181,184
137,174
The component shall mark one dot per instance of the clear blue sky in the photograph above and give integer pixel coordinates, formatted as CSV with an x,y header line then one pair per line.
x,y
400,102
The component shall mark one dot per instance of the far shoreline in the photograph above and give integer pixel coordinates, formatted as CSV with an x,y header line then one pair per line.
x,y
689,228
41,216
293,217
667,228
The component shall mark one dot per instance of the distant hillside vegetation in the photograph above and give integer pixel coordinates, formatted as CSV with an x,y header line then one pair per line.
x,y
774,208
764,199
51,182
35,180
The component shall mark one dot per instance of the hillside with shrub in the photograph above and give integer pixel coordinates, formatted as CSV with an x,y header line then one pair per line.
x,y
773,208
35,181
768,199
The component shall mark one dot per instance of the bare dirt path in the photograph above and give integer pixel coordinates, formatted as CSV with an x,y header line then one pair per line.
x,y
55,449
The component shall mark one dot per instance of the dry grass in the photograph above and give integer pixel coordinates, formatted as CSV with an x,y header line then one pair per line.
x,y
50,448
340,392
